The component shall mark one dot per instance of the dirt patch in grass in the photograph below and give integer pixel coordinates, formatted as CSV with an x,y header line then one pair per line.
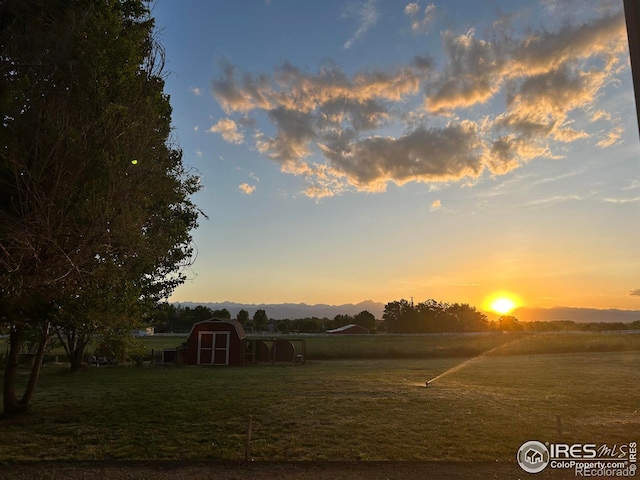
x,y
271,470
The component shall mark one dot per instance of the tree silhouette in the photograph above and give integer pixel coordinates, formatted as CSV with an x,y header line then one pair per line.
x,y
365,319
94,201
260,320
242,317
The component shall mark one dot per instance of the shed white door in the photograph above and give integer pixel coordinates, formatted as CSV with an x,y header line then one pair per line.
x,y
213,348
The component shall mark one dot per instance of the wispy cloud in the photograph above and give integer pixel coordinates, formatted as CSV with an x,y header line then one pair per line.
x,y
246,188
435,205
411,9
420,23
196,91
622,200
635,292
548,79
612,137
228,129
547,202
553,179
366,15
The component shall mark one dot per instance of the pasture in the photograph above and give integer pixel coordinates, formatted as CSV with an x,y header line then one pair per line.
x,y
364,408
359,347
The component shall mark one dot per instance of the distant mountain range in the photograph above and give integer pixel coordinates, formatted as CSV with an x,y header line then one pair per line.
x,y
579,315
524,314
295,310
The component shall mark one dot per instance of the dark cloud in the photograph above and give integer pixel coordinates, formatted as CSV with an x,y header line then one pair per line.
x,y
240,94
438,154
291,144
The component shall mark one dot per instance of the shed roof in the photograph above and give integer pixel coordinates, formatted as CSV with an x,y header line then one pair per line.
x,y
234,323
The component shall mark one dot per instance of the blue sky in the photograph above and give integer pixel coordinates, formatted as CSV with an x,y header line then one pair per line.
x,y
380,150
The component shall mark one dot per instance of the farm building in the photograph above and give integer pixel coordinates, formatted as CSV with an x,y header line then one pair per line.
x,y
216,342
351,329
223,342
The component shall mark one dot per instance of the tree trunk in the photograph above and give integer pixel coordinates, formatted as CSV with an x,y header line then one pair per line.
x,y
13,406
77,355
36,368
74,345
10,400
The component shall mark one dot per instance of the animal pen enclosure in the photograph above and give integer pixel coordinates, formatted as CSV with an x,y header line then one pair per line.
x,y
276,350
224,342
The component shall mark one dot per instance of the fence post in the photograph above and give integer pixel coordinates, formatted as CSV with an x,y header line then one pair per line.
x,y
304,351
273,352
253,351
247,447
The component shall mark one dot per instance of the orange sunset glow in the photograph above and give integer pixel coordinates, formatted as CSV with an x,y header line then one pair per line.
x,y
502,303
357,164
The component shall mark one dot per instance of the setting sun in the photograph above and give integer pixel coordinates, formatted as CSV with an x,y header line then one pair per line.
x,y
502,305
502,302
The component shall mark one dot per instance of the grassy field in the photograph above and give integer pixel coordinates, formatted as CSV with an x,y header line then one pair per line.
x,y
367,409
327,347
442,346
445,346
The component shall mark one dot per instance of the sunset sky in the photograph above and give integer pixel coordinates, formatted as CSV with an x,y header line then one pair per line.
x,y
354,150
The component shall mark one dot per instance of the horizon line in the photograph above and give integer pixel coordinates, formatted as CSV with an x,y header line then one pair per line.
x,y
384,303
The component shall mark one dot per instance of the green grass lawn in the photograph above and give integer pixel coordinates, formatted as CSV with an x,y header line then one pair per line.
x,y
374,409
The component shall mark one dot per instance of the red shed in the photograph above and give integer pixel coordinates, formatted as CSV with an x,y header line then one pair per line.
x,y
351,329
216,342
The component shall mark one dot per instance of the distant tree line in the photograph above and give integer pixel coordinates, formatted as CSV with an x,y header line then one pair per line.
x,y
401,316
511,323
365,319
432,316
171,318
